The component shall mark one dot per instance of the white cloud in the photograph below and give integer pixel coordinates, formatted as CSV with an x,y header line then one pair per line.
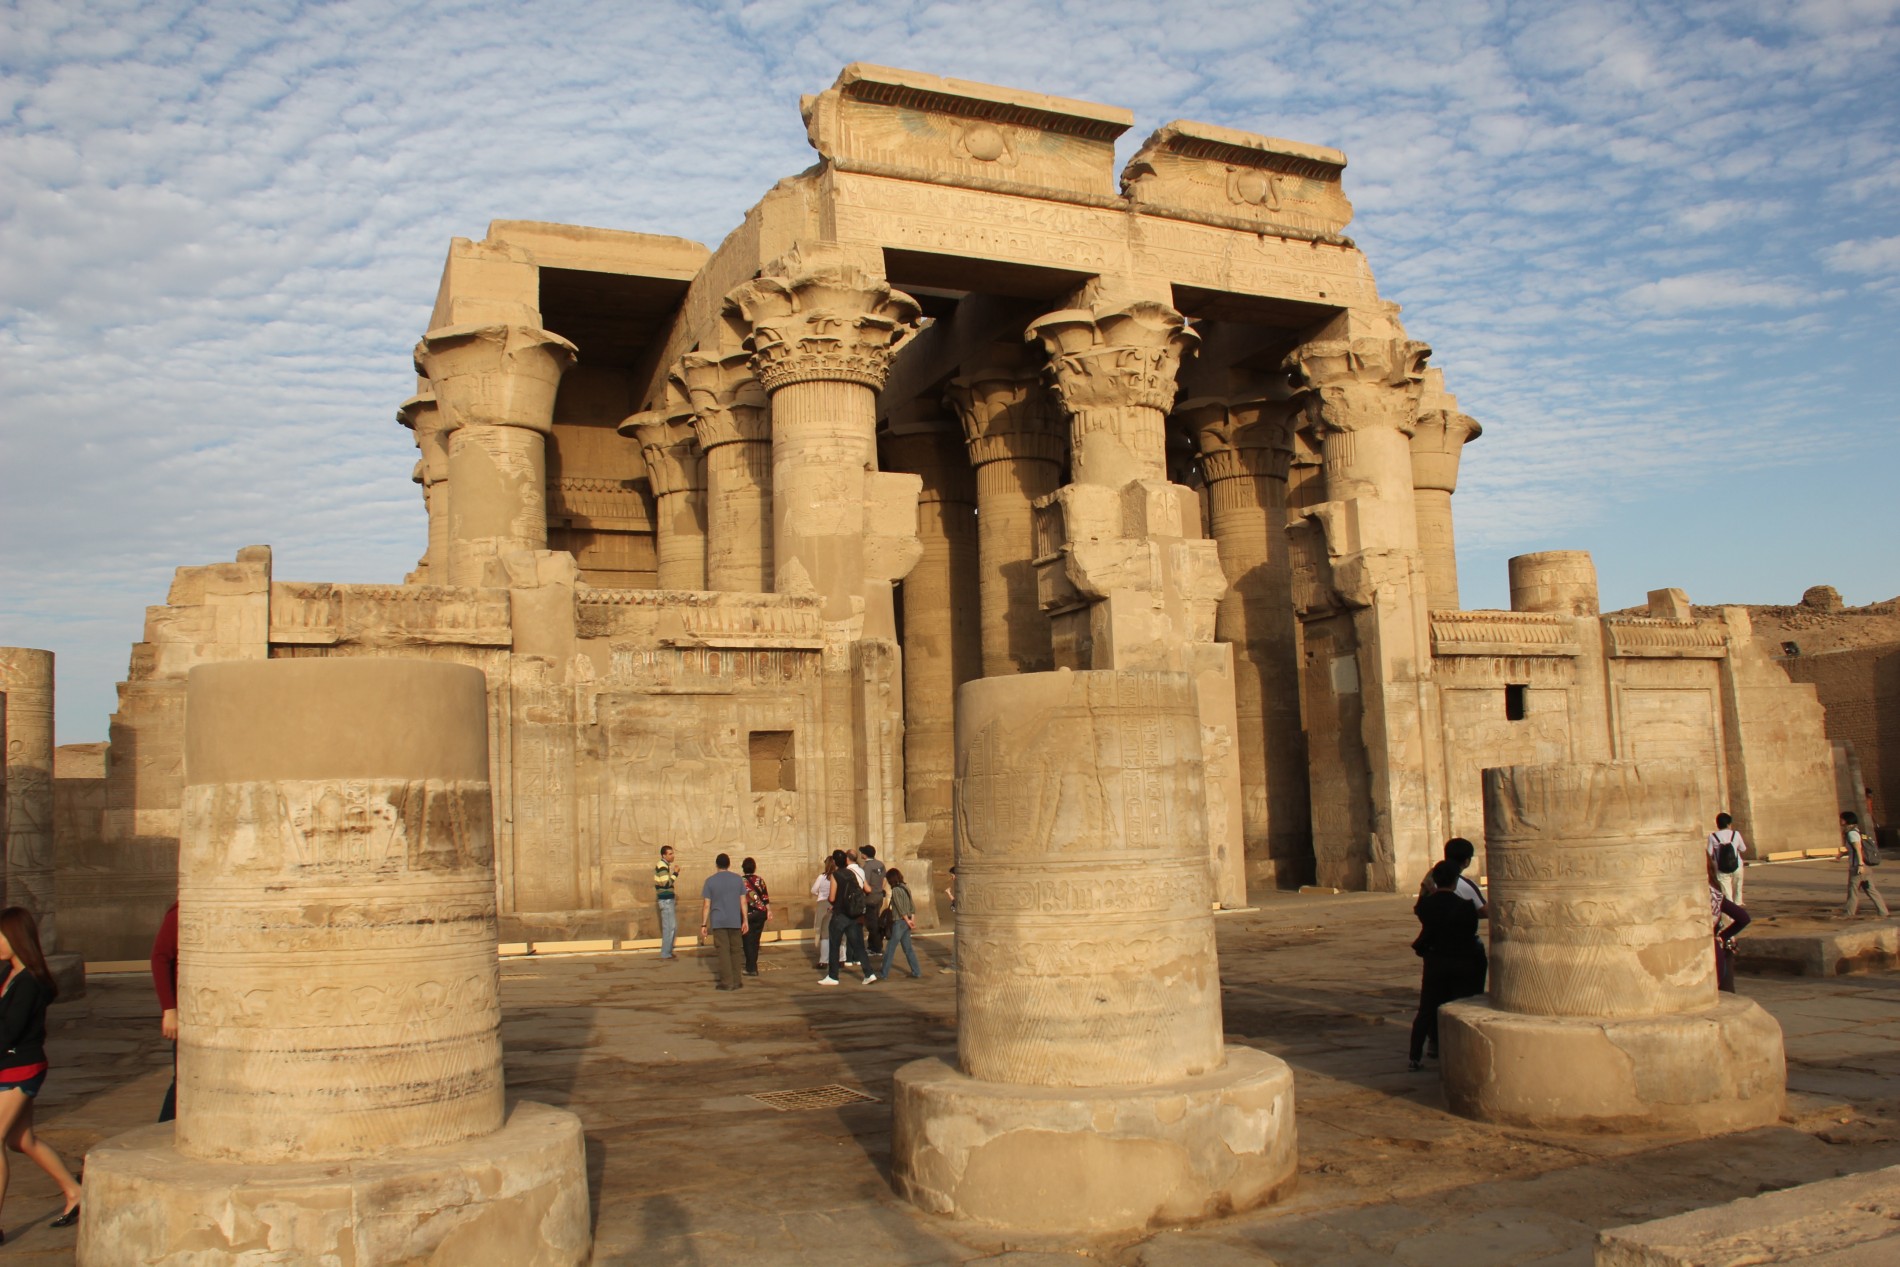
x,y
1726,288
1870,255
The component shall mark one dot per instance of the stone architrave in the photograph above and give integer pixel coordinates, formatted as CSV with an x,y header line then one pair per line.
x,y
1372,727
732,416
421,415
339,1055
1092,1091
494,386
942,648
1438,444
26,724
1603,1012
1018,449
676,470
1245,446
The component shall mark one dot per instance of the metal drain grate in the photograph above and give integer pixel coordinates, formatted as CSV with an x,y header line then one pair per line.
x,y
830,1097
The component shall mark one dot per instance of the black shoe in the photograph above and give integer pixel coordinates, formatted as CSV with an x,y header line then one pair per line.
x,y
67,1219
1431,1051
1413,1066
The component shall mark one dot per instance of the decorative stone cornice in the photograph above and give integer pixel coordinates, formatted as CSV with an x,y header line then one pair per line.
x,y
1361,383
817,317
1114,353
1005,414
729,402
675,462
494,375
1250,437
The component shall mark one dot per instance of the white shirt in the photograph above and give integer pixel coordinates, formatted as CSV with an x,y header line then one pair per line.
x,y
1727,836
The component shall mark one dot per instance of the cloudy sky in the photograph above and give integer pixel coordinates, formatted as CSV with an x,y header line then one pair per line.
x,y
1655,247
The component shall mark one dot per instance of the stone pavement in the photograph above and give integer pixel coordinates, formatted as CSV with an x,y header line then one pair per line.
x,y
687,1170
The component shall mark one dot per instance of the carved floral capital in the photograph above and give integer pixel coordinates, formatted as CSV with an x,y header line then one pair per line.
x,y
1248,436
1006,414
494,375
1115,354
1361,384
729,403
817,317
675,462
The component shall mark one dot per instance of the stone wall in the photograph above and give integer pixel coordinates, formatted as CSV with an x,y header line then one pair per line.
x,y
1860,689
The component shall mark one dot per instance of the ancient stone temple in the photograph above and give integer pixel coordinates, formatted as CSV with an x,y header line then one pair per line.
x,y
726,530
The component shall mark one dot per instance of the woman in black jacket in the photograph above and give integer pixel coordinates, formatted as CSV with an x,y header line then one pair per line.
x,y
23,998
1454,957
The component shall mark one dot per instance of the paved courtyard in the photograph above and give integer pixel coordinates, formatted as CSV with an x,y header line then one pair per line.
x,y
687,1169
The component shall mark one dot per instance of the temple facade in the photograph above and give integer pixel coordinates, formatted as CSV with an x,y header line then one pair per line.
x,y
726,531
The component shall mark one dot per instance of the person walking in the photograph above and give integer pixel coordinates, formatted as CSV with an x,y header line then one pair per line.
x,y
1448,942
847,909
903,924
23,999
721,912
758,909
1720,904
821,911
1726,851
1860,854
665,880
950,892
165,983
873,868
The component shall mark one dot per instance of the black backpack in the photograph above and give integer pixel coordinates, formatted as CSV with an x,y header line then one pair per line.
x,y
1727,861
850,894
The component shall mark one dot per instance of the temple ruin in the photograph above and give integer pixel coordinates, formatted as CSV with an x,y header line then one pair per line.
x,y
726,530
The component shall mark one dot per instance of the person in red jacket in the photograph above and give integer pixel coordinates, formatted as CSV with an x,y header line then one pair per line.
x,y
165,981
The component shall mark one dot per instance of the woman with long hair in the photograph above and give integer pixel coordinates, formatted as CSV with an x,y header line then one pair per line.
x,y
821,911
758,909
28,989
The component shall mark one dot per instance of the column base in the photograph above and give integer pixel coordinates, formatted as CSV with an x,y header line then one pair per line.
x,y
1698,1073
517,1198
69,973
1076,1161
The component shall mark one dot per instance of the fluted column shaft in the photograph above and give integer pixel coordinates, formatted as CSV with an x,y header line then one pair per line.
x,y
676,471
1437,445
732,418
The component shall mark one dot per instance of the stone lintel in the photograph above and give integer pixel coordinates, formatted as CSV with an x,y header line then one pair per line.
x,y
1205,168
592,250
1502,633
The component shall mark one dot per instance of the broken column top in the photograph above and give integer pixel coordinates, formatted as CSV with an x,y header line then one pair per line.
x,y
881,121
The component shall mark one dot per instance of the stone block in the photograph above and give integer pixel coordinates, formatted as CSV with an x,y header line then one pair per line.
x,y
1852,1221
1702,1072
515,1198
1823,952
1078,1161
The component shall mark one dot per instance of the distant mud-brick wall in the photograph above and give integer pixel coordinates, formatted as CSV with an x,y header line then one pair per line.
x,y
1861,691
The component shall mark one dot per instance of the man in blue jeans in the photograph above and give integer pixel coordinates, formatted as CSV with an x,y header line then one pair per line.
x,y
665,877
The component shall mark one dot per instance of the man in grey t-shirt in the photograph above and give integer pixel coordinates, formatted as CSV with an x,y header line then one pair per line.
x,y
873,899
722,913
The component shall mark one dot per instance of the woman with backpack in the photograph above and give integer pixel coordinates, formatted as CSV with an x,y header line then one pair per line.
x,y
758,909
1861,853
846,895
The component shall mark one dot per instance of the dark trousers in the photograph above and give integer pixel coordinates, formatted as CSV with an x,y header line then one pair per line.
x,y
169,1110
1724,956
874,922
1445,978
754,930
849,932
726,955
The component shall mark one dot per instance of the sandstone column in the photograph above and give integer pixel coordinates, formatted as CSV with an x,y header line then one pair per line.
x,y
495,386
1603,1012
942,635
1089,1040
339,1079
1245,447
1437,445
1373,740
1018,450
421,415
26,682
732,417
676,470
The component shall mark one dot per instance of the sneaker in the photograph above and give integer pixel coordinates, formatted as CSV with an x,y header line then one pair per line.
x,y
1413,1066
827,981
868,980
916,976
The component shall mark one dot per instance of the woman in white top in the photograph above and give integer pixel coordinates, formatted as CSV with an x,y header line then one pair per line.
x,y
821,912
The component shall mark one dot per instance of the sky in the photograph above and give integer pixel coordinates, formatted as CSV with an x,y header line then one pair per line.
x,y
1653,246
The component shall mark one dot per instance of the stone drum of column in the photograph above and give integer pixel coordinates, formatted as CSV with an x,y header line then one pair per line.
x,y
1562,581
1599,890
1085,941
337,973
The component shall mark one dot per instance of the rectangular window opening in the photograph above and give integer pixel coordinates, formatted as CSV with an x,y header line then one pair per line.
x,y
774,768
1515,696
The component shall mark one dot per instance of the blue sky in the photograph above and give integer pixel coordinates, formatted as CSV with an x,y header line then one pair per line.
x,y
1654,247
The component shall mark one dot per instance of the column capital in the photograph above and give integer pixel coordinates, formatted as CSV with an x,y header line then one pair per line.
x,y
1115,352
729,403
422,415
494,375
675,462
1439,439
1005,414
818,316
1357,384
1244,435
